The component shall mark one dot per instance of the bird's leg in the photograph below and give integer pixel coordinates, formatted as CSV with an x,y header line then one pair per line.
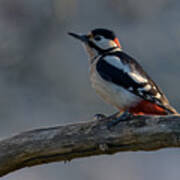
x,y
118,117
99,116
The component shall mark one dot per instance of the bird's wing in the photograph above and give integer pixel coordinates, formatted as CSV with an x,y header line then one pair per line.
x,y
122,70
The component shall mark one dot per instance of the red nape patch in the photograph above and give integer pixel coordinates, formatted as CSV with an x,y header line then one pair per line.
x,y
147,108
117,42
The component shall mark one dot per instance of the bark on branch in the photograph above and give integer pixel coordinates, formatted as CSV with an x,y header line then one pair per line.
x,y
64,143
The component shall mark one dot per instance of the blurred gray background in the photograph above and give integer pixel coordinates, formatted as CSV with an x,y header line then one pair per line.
x,y
44,76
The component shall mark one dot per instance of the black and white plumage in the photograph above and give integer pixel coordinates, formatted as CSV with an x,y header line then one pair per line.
x,y
122,70
119,79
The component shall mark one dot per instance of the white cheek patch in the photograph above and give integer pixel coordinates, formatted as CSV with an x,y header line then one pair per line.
x,y
105,43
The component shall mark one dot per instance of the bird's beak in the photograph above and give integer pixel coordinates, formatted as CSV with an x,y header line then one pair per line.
x,y
82,38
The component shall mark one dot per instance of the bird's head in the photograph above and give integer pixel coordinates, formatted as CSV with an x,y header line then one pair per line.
x,y
98,41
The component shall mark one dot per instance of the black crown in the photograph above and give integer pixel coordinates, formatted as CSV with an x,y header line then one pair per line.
x,y
104,32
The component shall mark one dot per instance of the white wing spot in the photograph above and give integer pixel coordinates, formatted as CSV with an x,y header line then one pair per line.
x,y
137,77
148,97
130,88
140,93
158,96
116,62
145,88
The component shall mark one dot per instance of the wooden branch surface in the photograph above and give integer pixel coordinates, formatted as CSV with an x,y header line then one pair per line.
x,y
64,143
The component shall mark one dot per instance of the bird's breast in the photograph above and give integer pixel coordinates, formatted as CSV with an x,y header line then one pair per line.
x,y
111,93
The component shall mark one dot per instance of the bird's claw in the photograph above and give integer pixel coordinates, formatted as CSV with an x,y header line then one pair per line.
x,y
99,116
119,118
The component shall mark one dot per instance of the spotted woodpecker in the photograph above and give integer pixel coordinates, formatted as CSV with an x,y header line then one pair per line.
x,y
118,78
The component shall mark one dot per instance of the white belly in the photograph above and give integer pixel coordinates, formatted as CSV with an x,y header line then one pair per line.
x,y
111,93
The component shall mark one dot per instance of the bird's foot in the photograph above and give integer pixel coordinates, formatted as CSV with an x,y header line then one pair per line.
x,y
99,116
117,118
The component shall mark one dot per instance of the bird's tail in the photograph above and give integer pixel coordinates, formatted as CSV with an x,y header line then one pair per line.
x,y
170,109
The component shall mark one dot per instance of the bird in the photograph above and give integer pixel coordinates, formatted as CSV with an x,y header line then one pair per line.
x,y
119,79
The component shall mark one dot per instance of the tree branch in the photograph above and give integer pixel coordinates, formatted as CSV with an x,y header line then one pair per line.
x,y
64,143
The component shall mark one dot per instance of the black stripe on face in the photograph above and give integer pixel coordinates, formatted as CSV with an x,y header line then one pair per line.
x,y
98,49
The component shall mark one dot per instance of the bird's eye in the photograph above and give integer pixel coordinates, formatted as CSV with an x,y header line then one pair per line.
x,y
97,38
